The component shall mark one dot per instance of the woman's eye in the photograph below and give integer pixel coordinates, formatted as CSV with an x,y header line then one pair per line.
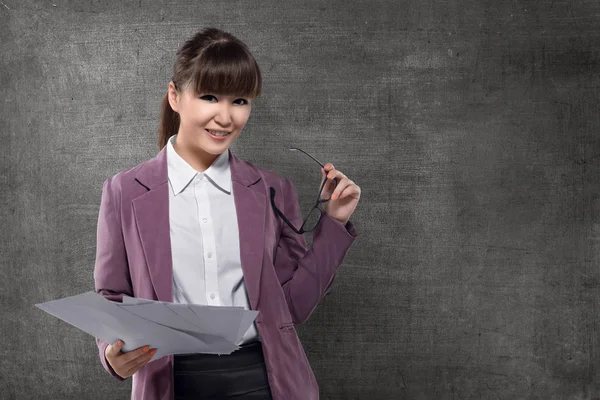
x,y
209,97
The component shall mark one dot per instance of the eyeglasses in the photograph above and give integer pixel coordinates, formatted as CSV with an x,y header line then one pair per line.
x,y
314,216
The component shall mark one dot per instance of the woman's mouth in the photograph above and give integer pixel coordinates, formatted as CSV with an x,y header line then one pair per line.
x,y
218,135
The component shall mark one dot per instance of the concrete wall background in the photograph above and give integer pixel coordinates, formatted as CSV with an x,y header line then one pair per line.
x,y
471,127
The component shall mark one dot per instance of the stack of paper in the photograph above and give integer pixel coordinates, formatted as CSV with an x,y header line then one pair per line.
x,y
171,328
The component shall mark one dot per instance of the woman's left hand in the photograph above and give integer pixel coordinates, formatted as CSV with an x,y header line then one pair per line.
x,y
344,197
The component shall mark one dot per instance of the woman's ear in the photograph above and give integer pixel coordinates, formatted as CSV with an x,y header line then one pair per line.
x,y
173,97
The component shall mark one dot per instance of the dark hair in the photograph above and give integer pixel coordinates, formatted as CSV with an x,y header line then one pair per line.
x,y
211,61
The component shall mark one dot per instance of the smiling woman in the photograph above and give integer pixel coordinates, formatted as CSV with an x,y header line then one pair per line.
x,y
197,225
215,80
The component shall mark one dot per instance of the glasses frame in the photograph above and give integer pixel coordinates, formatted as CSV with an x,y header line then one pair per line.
x,y
317,203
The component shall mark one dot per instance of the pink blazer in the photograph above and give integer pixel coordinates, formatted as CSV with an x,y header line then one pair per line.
x,y
284,279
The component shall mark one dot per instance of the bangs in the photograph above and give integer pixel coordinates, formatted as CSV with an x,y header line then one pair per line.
x,y
226,68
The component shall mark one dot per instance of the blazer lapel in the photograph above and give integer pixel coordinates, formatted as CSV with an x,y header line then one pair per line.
x,y
250,204
151,211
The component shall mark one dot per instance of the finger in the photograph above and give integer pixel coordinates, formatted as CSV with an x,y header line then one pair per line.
x,y
134,355
340,188
143,360
334,173
327,189
130,360
328,167
350,190
114,349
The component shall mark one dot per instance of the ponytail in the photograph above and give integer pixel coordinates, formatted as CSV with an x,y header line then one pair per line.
x,y
169,123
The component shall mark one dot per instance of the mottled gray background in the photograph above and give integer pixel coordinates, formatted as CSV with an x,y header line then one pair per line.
x,y
471,127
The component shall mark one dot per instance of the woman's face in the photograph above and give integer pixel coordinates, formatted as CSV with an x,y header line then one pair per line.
x,y
208,112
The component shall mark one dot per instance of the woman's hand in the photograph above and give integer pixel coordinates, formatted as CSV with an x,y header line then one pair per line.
x,y
127,364
344,197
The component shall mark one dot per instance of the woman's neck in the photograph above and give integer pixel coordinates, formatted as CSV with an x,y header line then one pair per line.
x,y
199,160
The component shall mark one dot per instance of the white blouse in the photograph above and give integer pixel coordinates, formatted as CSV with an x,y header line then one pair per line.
x,y
205,243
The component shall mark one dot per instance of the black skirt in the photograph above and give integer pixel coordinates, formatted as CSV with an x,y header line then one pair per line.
x,y
239,375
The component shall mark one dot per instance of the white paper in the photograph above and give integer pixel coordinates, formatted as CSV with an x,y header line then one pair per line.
x,y
169,327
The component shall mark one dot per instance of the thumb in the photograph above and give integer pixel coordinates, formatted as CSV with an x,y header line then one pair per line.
x,y
115,348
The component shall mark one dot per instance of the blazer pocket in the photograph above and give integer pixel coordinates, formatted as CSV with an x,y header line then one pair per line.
x,y
287,327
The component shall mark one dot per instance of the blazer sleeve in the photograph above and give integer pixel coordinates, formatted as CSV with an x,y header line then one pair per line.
x,y
111,270
308,273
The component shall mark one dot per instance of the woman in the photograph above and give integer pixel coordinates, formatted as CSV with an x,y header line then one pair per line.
x,y
196,224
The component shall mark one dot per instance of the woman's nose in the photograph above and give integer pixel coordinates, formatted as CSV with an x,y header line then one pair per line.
x,y
223,116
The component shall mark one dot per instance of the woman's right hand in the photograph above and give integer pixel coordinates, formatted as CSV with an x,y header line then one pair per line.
x,y
127,364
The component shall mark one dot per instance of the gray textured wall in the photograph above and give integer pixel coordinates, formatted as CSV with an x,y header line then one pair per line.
x,y
471,127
